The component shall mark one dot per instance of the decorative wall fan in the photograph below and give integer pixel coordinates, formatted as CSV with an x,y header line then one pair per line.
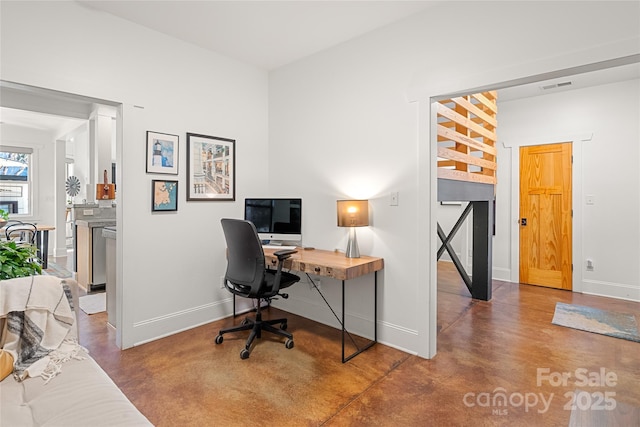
x,y
72,186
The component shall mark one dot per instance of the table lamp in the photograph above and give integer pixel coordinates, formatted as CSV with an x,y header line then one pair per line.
x,y
352,214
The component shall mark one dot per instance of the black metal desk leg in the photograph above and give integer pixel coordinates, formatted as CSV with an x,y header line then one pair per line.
x,y
341,319
375,306
42,245
375,323
45,248
343,326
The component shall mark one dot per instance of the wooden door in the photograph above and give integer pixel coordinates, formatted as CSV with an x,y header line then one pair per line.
x,y
545,215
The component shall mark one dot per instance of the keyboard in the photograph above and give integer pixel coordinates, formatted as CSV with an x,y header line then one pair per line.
x,y
277,247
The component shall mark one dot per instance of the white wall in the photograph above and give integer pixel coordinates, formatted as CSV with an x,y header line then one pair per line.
x,y
344,116
169,264
78,151
339,124
605,167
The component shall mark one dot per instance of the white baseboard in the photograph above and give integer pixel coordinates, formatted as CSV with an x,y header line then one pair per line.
x,y
611,290
389,334
304,305
591,287
395,336
173,323
59,252
398,337
497,273
503,274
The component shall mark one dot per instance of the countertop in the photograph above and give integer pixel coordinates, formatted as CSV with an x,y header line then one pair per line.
x,y
88,205
98,222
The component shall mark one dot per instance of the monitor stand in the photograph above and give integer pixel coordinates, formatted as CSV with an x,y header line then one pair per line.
x,y
279,243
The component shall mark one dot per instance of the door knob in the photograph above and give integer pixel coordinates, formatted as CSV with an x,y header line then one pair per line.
x,y
523,221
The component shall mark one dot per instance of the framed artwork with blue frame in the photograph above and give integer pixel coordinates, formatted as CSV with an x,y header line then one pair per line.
x,y
162,153
164,195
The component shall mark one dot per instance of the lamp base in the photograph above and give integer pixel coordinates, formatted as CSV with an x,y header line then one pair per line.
x,y
352,246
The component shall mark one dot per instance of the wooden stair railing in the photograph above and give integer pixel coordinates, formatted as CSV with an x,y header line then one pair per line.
x,y
467,138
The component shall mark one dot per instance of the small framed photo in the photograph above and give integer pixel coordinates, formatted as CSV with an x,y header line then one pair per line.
x,y
162,153
211,168
164,195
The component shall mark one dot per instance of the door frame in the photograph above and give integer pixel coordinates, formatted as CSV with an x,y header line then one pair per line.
x,y
67,104
577,141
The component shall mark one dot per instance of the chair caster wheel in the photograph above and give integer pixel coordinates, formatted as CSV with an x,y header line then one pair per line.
x,y
219,339
288,343
244,354
283,326
245,321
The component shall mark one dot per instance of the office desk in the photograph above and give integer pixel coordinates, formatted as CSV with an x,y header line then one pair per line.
x,y
42,241
336,266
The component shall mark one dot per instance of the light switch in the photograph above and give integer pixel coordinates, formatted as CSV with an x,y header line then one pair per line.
x,y
393,200
591,200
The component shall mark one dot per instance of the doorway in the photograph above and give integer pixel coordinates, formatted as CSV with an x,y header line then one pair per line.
x,y
44,109
546,215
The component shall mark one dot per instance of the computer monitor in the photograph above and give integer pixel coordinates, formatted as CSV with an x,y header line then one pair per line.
x,y
277,220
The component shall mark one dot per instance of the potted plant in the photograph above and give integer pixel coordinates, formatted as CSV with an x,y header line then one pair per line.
x,y
4,217
18,260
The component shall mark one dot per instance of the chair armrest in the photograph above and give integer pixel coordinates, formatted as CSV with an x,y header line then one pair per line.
x,y
284,254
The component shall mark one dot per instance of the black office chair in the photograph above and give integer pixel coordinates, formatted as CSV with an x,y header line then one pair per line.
x,y
248,277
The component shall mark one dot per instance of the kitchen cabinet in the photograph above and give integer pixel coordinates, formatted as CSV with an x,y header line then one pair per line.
x,y
91,253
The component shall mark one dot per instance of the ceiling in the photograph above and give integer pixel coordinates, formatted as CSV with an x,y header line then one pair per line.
x,y
270,34
52,124
267,34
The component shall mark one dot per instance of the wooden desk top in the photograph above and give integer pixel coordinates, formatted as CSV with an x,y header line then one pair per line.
x,y
39,227
328,263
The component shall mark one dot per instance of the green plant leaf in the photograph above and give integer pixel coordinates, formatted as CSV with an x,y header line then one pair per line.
x,y
18,260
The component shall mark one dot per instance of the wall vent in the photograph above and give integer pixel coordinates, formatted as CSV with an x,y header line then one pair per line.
x,y
555,85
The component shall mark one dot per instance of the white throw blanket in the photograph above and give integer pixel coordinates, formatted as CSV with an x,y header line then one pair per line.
x,y
40,325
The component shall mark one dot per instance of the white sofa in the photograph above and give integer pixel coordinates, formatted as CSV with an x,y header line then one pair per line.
x,y
80,395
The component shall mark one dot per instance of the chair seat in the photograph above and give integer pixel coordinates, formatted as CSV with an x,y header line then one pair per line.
x,y
286,279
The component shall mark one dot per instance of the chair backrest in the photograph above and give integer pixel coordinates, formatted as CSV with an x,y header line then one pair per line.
x,y
23,232
245,258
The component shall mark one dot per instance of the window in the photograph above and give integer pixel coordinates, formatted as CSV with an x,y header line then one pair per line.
x,y
16,180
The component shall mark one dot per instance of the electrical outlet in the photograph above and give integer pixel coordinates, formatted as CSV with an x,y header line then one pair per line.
x,y
221,282
317,282
589,265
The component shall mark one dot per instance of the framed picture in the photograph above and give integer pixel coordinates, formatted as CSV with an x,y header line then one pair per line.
x,y
164,195
162,153
211,168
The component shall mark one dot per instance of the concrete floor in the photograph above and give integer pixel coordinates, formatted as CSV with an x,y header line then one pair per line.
x,y
496,365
